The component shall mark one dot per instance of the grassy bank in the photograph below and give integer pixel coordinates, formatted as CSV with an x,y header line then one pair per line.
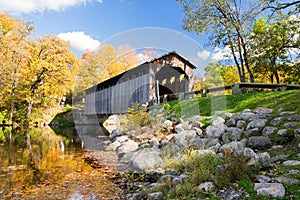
x,y
206,106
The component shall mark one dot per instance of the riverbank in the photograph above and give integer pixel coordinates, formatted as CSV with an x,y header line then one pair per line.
x,y
252,153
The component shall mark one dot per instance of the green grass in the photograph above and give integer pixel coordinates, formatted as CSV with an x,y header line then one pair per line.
x,y
206,106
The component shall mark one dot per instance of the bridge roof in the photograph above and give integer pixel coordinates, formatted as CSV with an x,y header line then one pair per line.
x,y
115,79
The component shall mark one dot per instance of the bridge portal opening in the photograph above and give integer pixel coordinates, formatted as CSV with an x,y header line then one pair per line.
x,y
171,80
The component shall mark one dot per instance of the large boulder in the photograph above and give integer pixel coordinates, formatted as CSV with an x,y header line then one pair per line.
x,y
206,187
145,161
259,142
274,190
215,131
183,138
268,130
258,123
234,147
126,147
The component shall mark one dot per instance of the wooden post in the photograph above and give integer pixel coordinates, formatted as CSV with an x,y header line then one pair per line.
x,y
235,89
157,91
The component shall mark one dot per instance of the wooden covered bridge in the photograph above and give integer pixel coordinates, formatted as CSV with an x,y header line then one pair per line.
x,y
168,74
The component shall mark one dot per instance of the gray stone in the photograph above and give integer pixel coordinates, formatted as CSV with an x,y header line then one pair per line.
x,y
113,146
264,159
167,124
196,124
211,142
179,128
235,133
276,121
263,110
293,172
216,121
247,116
251,132
274,190
198,131
268,130
251,157
282,132
259,142
177,181
286,180
155,196
234,147
297,132
194,118
262,179
230,122
258,123
291,124
285,113
241,124
121,139
183,138
294,118
166,178
277,147
154,141
277,158
145,161
127,156
214,132
126,147
115,133
171,171
198,143
231,194
291,163
264,116
206,187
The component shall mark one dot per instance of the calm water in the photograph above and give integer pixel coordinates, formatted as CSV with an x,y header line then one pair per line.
x,y
41,164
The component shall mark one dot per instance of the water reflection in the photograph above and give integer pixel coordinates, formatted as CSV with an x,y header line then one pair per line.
x,y
93,137
39,164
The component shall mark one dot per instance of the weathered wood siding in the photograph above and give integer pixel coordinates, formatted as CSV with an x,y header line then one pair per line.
x,y
172,72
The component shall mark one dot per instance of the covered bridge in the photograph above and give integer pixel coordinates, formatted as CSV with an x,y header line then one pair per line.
x,y
168,74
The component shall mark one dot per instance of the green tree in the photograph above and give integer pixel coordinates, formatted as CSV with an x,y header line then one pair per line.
x,y
272,43
212,75
228,22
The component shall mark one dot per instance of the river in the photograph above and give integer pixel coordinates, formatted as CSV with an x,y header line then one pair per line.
x,y
39,163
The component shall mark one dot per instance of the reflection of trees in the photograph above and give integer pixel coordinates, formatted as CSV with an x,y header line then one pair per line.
x,y
31,157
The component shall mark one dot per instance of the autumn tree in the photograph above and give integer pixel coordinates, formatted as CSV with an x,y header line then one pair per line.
x,y
127,57
13,58
103,64
228,22
52,68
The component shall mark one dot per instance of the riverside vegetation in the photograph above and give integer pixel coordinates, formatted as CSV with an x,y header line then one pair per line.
x,y
249,151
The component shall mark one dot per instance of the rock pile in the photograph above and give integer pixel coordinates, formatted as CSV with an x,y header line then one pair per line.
x,y
247,133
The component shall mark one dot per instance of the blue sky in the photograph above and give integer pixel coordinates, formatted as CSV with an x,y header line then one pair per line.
x,y
89,23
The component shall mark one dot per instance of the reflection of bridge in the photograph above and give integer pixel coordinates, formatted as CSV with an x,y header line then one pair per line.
x,y
168,74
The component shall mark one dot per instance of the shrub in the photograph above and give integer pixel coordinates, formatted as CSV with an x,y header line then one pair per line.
x,y
138,114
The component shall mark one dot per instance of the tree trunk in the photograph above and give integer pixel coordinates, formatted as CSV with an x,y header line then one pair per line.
x,y
245,57
274,69
12,95
30,104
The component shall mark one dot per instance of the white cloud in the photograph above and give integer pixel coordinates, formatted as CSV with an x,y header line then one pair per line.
x,y
203,54
27,6
79,40
221,54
